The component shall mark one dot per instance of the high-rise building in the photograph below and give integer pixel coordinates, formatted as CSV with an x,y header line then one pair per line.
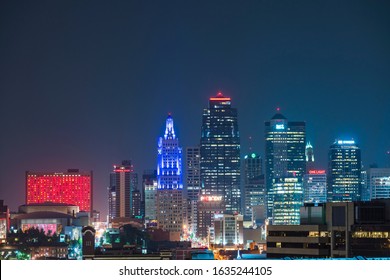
x,y
314,186
253,167
228,230
254,185
112,197
149,182
126,181
220,153
208,206
193,173
344,171
193,187
288,199
136,204
365,187
378,180
169,181
309,154
71,187
255,195
284,155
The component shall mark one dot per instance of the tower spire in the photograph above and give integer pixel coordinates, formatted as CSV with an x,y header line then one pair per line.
x,y
169,130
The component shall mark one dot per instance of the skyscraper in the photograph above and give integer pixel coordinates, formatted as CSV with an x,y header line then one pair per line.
x,y
344,171
169,181
253,167
254,185
149,182
309,153
112,197
125,182
193,187
72,187
379,182
220,153
288,196
193,172
314,186
365,191
284,157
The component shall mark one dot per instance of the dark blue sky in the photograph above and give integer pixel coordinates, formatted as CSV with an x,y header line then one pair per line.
x,y
85,84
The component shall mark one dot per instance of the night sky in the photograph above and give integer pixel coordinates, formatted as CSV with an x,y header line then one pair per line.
x,y
86,84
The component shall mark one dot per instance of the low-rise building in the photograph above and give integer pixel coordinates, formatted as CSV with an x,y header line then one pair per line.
x,y
336,230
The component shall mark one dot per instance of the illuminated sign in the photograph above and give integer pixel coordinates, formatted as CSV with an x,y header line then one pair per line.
x,y
211,198
48,229
279,126
220,99
316,171
346,142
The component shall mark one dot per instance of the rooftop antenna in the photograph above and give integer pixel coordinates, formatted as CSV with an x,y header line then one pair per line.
x,y
250,143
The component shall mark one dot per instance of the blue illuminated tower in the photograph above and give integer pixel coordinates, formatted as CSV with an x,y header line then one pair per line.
x,y
169,181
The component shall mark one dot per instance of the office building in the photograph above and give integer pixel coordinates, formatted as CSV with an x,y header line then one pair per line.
x,y
288,199
254,185
344,171
193,173
220,153
314,186
284,155
336,230
253,167
228,230
364,186
126,181
208,206
71,187
150,194
111,197
378,180
309,154
136,204
169,181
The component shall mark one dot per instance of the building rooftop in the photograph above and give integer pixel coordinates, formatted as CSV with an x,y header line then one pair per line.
x,y
48,203
279,116
43,215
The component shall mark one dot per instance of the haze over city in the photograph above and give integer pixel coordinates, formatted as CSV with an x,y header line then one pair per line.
x,y
88,84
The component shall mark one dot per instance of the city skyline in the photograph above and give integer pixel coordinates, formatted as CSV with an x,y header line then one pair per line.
x,y
86,87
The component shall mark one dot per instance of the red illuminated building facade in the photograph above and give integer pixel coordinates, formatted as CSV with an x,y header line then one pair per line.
x,y
71,187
